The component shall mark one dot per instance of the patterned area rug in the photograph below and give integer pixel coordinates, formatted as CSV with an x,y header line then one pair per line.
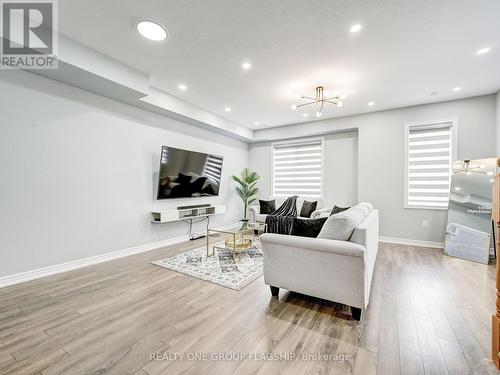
x,y
221,268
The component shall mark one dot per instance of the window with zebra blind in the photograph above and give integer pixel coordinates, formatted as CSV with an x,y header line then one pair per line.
x,y
429,153
298,169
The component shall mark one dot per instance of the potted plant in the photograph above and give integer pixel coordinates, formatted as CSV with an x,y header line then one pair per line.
x,y
247,190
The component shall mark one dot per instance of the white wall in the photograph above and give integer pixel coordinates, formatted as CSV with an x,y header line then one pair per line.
x,y
381,156
78,173
497,125
340,165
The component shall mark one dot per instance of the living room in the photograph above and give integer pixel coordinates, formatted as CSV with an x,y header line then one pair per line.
x,y
249,187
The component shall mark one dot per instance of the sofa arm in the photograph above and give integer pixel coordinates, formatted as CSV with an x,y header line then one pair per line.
x,y
313,244
255,211
317,213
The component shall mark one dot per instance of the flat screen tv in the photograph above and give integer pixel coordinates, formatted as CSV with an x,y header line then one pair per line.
x,y
188,174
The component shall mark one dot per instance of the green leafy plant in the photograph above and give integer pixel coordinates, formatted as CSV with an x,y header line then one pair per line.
x,y
246,187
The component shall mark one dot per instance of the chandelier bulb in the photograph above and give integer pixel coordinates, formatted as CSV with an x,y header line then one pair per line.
x,y
293,107
318,114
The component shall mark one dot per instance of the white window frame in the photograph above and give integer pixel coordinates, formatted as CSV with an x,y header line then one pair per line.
x,y
454,153
301,141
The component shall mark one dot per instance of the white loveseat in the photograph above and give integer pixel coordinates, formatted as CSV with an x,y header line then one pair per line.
x,y
335,270
261,218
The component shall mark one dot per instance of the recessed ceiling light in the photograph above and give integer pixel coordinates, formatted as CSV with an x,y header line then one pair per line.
x,y
458,88
305,115
182,87
489,173
457,188
227,109
356,28
293,107
246,65
256,123
492,179
371,103
152,31
482,51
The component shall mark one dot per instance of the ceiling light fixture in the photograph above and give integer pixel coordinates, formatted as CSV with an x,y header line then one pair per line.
x,y
227,109
482,51
467,168
322,97
305,115
371,103
356,28
492,179
152,30
182,87
256,123
457,188
246,65
458,88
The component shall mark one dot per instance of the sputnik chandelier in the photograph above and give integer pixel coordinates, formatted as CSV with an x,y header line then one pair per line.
x,y
322,97
467,168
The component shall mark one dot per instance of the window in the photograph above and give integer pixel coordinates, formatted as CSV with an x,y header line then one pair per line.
x,y
429,154
298,169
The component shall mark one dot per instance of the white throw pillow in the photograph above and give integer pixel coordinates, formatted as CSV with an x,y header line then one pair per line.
x,y
340,226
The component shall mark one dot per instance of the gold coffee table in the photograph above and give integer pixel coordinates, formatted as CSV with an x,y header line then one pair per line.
x,y
239,241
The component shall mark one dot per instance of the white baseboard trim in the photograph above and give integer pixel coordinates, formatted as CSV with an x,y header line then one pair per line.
x,y
406,241
79,263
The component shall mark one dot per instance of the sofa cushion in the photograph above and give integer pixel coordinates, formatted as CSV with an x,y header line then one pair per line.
x,y
340,226
308,208
260,218
306,227
267,206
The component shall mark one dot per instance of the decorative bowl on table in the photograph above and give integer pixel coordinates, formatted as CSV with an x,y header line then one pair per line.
x,y
241,244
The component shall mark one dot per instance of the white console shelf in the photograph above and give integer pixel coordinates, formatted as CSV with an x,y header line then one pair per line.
x,y
168,216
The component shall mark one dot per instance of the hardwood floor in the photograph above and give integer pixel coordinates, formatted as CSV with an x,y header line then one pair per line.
x,y
429,314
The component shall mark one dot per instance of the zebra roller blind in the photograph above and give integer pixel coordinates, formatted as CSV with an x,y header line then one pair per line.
x,y
298,169
429,155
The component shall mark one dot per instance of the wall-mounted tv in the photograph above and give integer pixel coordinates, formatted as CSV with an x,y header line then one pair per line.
x,y
188,174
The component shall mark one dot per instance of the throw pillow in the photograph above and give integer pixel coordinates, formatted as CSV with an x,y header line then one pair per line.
x,y
341,226
307,227
337,209
266,207
308,208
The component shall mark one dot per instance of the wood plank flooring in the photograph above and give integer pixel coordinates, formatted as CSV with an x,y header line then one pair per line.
x,y
429,314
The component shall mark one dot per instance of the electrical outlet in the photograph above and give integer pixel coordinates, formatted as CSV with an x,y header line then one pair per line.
x,y
425,223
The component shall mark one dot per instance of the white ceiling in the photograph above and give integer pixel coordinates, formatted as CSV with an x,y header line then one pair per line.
x,y
406,50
